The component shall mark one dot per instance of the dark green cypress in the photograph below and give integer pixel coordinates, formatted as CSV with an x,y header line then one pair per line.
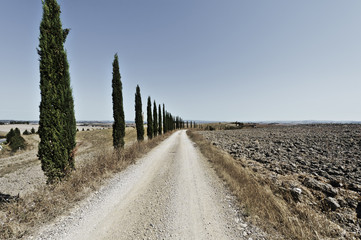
x,y
118,110
155,120
139,115
164,120
149,119
57,125
68,110
10,135
16,141
159,121
168,121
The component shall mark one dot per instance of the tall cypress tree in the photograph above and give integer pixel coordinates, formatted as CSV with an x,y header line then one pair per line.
x,y
160,121
155,120
139,115
57,125
164,120
118,110
149,119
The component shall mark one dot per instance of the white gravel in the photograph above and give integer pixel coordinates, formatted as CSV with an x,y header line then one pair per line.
x,y
171,193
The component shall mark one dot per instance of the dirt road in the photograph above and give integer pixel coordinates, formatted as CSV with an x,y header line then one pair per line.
x,y
171,193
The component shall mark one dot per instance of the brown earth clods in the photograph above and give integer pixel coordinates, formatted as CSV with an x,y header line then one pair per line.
x,y
318,165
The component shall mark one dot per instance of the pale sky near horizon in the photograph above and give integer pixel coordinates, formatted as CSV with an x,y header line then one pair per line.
x,y
205,59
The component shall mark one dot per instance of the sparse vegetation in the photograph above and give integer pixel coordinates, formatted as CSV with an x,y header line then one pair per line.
x,y
272,213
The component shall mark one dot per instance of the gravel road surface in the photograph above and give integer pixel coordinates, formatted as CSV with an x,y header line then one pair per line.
x,y
171,193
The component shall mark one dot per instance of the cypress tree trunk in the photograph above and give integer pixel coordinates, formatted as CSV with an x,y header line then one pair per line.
x,y
155,120
149,119
160,121
118,111
57,125
138,115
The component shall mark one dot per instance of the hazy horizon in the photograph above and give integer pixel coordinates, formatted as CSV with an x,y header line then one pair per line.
x,y
210,121
248,61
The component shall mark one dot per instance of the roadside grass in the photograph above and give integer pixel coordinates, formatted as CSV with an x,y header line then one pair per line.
x,y
22,217
275,214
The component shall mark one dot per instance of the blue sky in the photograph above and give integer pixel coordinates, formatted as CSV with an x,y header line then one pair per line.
x,y
205,59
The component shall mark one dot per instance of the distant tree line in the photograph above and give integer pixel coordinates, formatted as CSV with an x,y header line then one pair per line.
x,y
20,122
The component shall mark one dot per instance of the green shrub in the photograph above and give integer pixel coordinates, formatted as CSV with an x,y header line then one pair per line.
x,y
15,140
10,135
26,132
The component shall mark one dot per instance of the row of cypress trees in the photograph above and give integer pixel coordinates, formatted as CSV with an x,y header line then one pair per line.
x,y
57,124
163,122
158,122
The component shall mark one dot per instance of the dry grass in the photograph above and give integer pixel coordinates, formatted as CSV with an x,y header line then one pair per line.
x,y
278,217
21,218
100,139
31,142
